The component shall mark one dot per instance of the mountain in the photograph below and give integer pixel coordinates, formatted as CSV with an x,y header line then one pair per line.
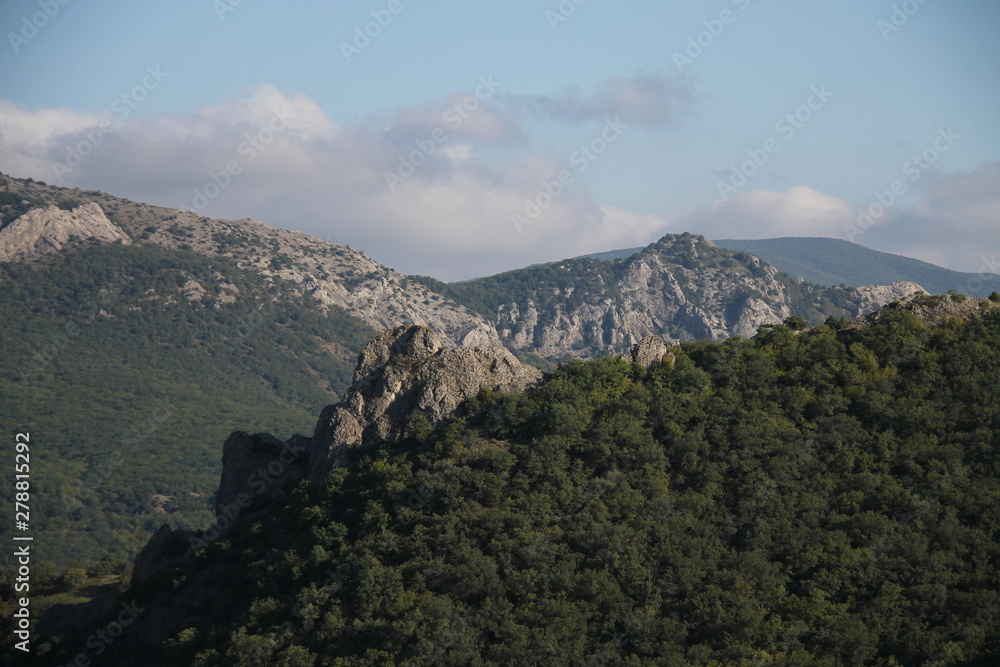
x,y
334,275
683,287
834,262
826,261
164,330
808,496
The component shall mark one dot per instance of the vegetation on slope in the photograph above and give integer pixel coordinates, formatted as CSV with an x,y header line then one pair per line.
x,y
817,497
129,380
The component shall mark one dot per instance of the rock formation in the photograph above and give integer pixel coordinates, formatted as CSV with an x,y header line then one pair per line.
x,y
649,352
872,297
404,370
41,231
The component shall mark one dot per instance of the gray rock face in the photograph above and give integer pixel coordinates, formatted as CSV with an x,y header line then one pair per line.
x,y
42,231
681,288
872,297
649,352
404,370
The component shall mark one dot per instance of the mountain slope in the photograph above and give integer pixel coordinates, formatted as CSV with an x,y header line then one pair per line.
x,y
127,364
826,261
332,274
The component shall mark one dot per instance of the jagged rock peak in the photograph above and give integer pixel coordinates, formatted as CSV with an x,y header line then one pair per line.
x,y
408,369
404,344
41,231
649,352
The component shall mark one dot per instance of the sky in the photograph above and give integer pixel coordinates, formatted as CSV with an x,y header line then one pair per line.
x,y
460,139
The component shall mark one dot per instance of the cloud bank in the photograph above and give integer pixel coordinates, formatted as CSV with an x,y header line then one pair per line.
x,y
420,196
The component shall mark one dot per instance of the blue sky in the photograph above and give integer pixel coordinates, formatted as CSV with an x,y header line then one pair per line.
x,y
731,118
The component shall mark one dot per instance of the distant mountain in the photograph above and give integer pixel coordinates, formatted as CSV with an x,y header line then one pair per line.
x,y
683,287
827,261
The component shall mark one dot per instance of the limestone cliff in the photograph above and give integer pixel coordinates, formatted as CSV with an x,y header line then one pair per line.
x,y
42,231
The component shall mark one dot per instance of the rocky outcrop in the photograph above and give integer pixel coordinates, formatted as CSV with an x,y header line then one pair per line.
x,y
649,352
934,309
407,370
42,231
872,297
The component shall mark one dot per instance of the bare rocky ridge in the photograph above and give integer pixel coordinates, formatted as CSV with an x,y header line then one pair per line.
x,y
332,274
42,231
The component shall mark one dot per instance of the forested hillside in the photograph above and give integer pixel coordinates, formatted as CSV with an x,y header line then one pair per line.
x,y
129,366
823,496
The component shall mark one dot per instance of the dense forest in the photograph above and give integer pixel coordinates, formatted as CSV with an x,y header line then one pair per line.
x,y
823,496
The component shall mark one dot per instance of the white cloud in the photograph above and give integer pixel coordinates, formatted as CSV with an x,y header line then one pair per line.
x,y
801,211
452,217
956,222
